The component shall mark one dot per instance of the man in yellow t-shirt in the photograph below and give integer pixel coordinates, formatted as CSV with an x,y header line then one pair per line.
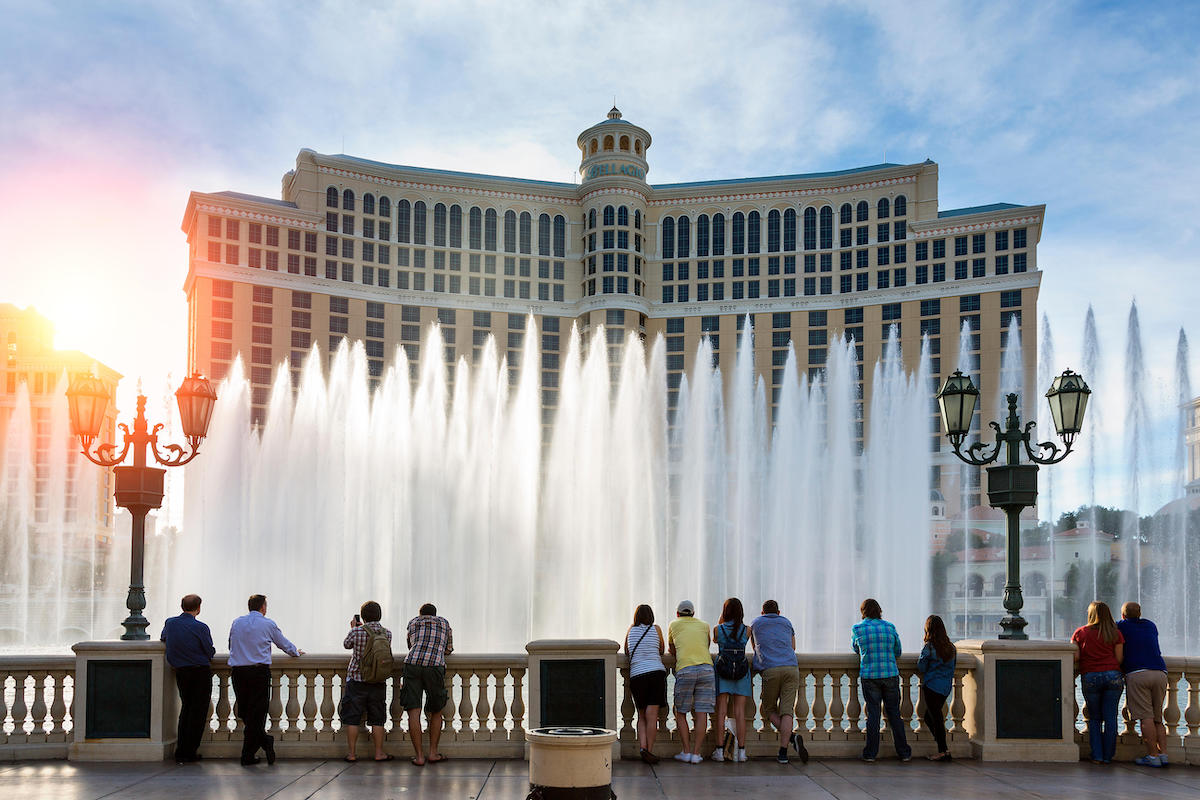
x,y
695,681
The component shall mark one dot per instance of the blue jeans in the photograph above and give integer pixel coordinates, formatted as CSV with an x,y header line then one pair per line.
x,y
885,691
1101,696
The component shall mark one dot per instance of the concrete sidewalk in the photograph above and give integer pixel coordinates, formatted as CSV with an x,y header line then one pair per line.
x,y
508,780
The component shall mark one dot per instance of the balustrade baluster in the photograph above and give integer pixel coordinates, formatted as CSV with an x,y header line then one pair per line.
x,y
919,709
275,709
499,706
1191,715
224,708
958,707
70,707
854,707
906,704
482,707
801,718
20,709
518,705
837,709
819,705
39,705
3,706
328,706
292,708
1171,714
58,708
465,704
627,725
310,704
1126,718
396,712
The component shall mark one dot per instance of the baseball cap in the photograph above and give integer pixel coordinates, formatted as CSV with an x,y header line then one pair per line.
x,y
685,607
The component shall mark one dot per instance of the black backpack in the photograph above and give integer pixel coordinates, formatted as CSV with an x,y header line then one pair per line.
x,y
731,663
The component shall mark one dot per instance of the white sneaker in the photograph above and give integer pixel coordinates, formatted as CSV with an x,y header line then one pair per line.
x,y
696,758
741,755
718,755
684,757
730,726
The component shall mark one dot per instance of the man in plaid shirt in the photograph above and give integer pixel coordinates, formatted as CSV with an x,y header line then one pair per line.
x,y
878,646
358,696
430,640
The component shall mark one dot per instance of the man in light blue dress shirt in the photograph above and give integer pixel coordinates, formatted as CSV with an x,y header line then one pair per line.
x,y
250,640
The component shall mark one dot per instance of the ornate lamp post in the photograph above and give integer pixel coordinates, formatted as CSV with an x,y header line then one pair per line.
x,y
1012,486
139,487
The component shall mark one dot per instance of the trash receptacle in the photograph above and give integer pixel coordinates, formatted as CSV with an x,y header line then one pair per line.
x,y
570,763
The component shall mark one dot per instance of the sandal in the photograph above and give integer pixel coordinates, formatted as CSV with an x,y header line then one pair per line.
x,y
349,760
388,757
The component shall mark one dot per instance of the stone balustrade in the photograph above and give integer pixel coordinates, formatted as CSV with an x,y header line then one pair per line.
x,y
485,715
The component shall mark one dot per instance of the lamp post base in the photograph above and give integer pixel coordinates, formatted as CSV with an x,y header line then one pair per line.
x,y
1013,627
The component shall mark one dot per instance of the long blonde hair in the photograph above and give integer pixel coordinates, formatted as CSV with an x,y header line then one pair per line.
x,y
1100,618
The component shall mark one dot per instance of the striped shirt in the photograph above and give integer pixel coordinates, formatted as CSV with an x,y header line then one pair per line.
x,y
644,657
429,640
878,647
356,641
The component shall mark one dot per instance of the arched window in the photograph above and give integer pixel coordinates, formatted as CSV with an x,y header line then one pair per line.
x,y
609,215
637,146
592,218
544,235
526,232
739,233
608,143
475,228
789,229
595,146
347,200
882,208
419,222
560,236
864,211
439,225
998,584
668,237
625,143
773,231
385,207
403,219
810,229
637,219
718,235
489,230
975,585
900,208
456,226
826,228
368,203
623,216
331,197
510,231
702,236
1035,585
683,235
847,214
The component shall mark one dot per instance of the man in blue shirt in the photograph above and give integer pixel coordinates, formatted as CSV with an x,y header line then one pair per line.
x,y
190,651
1145,682
878,647
774,641
250,640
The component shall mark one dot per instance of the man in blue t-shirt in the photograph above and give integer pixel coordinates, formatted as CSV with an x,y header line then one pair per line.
x,y
190,651
1145,682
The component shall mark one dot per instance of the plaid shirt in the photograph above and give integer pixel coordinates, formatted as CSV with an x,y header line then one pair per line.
x,y
878,646
429,640
356,641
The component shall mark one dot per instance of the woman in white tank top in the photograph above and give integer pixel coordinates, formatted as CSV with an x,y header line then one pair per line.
x,y
647,677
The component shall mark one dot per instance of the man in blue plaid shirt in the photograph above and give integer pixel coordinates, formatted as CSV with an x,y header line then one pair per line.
x,y
878,646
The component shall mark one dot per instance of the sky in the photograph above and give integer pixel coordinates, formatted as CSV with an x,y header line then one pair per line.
x,y
113,112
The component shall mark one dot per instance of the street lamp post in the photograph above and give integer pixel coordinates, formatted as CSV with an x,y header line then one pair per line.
x,y
139,487
1012,486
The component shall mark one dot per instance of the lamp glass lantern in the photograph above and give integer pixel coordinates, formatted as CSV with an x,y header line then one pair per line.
x,y
957,401
88,399
1068,398
196,398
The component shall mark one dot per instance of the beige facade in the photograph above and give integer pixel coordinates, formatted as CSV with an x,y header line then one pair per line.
x,y
377,252
1192,442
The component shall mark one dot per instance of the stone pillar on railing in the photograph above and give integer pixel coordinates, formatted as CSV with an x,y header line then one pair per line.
x,y
1191,715
126,706
1019,700
573,682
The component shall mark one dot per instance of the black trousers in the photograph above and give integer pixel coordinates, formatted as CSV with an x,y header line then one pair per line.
x,y
935,716
252,689
195,695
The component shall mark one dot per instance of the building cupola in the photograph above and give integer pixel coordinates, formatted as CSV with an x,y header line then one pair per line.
x,y
616,149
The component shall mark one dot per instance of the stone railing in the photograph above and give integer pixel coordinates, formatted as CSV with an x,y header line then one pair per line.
x,y
828,710
36,706
1181,716
484,715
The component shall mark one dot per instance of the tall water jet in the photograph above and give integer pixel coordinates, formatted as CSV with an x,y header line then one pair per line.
x,y
1137,433
1091,442
1046,372
966,474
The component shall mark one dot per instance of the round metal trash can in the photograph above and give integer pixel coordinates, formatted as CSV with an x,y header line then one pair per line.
x,y
568,763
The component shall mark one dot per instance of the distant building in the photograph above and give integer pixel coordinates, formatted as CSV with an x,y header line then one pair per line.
x,y
1192,442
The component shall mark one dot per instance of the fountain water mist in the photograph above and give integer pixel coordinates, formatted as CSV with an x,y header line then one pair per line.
x,y
443,494
1137,433
1090,441
1046,372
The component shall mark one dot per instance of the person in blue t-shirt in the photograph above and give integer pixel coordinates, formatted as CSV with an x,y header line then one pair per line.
x,y
190,651
1145,682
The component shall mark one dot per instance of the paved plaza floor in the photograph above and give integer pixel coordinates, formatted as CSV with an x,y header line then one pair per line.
x,y
488,780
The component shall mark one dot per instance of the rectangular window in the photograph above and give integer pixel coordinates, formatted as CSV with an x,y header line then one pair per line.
x,y
960,245
1001,240
1019,263
861,282
861,236
1010,299
738,292
862,259
891,311
979,243
922,251
939,273
222,309
883,279
1018,238
939,248
789,288
922,273
900,254
978,267
718,291
883,232
681,293
899,230
968,302
845,259
293,239
261,315
348,273
931,327
231,254
300,319
882,256
899,277
845,284
751,289
810,287
1001,265
214,227
931,308
960,270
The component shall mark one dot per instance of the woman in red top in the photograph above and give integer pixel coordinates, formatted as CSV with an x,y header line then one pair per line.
x,y
1101,648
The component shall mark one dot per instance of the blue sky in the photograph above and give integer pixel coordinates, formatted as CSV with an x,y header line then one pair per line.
x,y
114,111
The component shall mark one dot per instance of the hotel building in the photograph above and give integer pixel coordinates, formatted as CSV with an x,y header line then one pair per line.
x,y
377,252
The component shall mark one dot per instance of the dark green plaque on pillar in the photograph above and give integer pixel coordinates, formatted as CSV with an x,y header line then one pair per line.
x,y
1028,699
573,693
118,700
